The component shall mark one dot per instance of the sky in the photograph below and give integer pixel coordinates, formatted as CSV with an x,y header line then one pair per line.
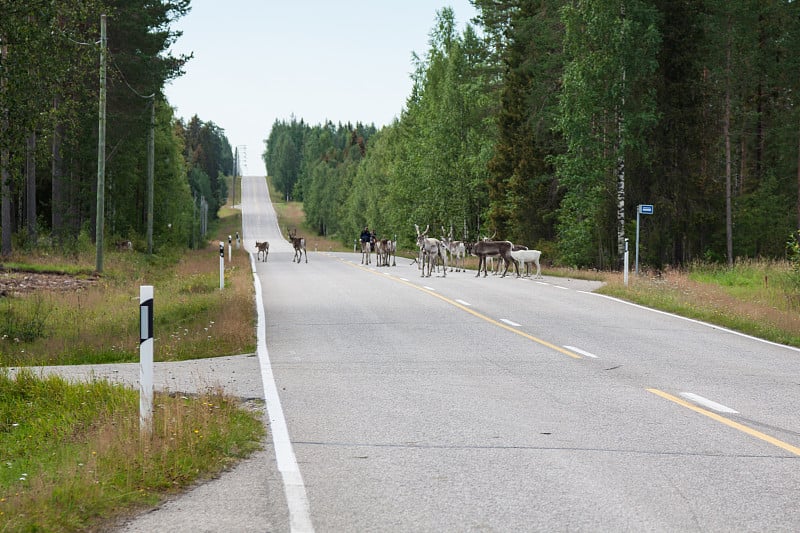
x,y
258,61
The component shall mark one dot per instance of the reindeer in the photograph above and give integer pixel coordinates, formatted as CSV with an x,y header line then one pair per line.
x,y
484,249
457,249
384,249
299,244
379,245
366,254
526,257
390,250
263,248
430,250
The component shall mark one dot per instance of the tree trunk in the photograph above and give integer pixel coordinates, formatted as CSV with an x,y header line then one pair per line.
x,y
5,189
726,132
621,182
30,186
57,177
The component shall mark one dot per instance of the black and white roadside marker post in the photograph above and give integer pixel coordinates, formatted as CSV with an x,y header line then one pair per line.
x,y
146,359
221,265
641,209
626,263
230,241
238,241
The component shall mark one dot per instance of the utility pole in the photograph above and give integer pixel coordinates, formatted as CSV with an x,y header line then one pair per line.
x,y
235,172
150,171
101,150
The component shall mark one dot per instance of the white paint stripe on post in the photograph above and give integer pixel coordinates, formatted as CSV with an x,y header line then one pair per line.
x,y
146,358
293,486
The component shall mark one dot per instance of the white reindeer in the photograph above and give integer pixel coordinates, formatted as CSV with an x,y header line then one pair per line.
x,y
457,250
430,250
526,257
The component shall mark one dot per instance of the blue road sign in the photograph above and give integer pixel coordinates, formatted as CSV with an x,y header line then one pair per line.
x,y
646,209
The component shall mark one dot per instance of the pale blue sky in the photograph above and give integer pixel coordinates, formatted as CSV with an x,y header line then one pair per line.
x,y
261,60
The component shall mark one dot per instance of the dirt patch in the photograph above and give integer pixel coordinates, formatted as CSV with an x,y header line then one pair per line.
x,y
13,283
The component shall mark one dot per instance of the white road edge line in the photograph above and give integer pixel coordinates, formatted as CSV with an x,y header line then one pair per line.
x,y
295,490
582,352
510,323
705,402
700,322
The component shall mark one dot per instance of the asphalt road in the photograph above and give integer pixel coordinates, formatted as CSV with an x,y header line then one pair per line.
x,y
401,403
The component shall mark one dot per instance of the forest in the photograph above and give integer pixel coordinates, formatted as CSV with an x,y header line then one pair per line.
x,y
549,122
50,79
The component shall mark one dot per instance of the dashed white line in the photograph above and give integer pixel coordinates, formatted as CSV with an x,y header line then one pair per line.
x,y
705,402
509,322
582,352
429,288
462,302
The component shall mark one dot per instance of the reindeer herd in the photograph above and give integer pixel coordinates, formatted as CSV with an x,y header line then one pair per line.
x,y
432,251
435,252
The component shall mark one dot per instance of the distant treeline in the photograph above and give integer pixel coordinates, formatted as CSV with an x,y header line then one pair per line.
x,y
548,122
49,100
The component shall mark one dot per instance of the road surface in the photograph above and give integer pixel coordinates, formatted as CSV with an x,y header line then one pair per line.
x,y
408,404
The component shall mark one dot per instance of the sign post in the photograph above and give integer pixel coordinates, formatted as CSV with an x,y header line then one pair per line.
x,y
642,209
146,359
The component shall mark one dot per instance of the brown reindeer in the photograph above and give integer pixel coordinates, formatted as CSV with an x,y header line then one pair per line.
x,y
263,248
484,249
299,244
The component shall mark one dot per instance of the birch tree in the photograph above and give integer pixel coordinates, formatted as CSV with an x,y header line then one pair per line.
x,y
607,108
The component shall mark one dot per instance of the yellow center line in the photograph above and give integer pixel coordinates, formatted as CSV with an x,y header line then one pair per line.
x,y
470,311
735,425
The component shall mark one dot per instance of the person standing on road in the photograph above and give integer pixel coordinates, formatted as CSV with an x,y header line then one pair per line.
x,y
366,236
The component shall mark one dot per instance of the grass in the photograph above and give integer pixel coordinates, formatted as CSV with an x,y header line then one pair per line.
x,y
757,298
192,317
72,457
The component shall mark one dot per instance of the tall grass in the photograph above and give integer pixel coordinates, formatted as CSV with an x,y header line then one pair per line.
x,y
100,323
73,458
753,297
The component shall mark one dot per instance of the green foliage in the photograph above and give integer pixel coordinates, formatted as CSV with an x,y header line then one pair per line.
x,y
23,323
208,157
74,458
49,85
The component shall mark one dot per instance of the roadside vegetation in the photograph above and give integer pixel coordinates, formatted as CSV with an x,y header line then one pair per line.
x,y
72,457
99,323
